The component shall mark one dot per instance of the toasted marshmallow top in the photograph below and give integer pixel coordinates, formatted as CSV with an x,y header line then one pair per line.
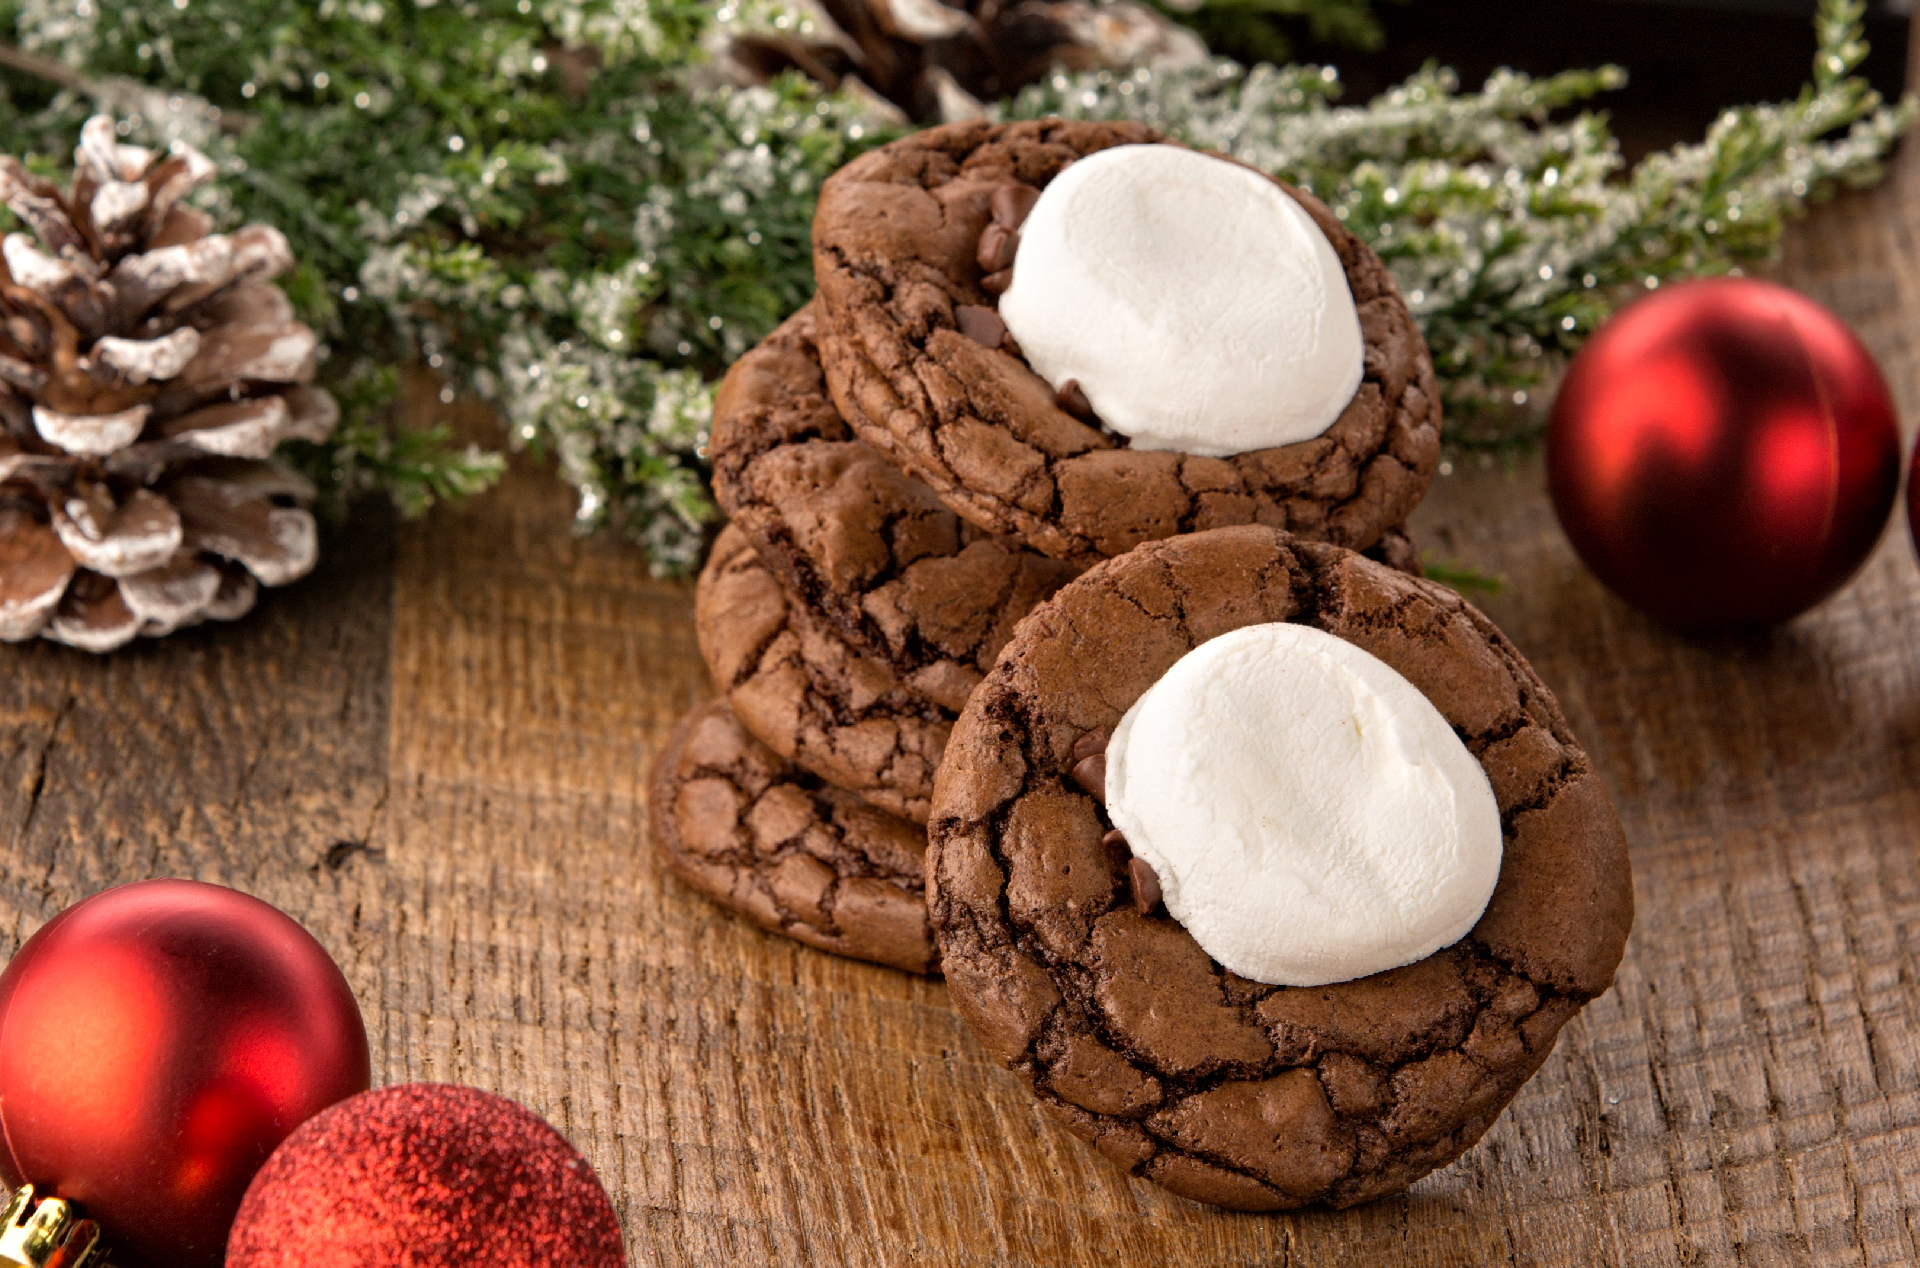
x,y
1196,303
1311,816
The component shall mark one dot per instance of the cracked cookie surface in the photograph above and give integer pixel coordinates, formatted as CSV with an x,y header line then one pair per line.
x,y
1221,1089
895,245
808,694
858,542
764,839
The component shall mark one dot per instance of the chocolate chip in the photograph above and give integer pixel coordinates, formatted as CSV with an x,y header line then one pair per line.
x,y
997,283
1091,774
1146,885
1011,203
997,247
1091,742
982,325
1072,399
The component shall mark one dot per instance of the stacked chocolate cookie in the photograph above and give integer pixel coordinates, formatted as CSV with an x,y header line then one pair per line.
x,y
956,571
847,615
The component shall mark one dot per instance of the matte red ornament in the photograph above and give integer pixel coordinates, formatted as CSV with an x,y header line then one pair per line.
x,y
1723,454
426,1175
157,1041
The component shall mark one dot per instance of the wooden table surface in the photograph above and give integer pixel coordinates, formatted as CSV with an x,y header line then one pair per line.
x,y
433,754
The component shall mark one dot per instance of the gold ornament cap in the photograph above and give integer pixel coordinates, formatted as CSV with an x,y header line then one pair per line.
x,y
47,1234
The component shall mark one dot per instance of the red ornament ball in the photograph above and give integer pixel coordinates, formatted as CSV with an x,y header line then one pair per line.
x,y
426,1175
157,1041
1723,454
1913,497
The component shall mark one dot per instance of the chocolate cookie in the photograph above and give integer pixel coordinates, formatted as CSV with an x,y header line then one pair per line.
x,y
916,360
1222,1089
767,841
1397,550
803,691
857,541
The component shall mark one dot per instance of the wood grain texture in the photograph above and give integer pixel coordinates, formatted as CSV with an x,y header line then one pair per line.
x,y
433,754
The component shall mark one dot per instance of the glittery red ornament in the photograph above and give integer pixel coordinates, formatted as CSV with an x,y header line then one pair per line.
x,y
426,1175
1723,454
157,1041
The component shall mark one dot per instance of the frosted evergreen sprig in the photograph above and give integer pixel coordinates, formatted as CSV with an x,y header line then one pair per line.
x,y
1510,227
552,202
605,362
556,204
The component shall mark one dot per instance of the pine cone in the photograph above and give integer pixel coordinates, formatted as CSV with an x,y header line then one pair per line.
x,y
148,370
937,60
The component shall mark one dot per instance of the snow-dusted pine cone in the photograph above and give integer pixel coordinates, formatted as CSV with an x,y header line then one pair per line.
x,y
148,370
938,60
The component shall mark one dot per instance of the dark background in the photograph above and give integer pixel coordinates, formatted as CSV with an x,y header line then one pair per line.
x,y
1687,59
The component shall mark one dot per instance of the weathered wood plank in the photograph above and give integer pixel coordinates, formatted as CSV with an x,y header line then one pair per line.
x,y
433,754
252,755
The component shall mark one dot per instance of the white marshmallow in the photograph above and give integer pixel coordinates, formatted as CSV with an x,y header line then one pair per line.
x,y
1311,816
1198,306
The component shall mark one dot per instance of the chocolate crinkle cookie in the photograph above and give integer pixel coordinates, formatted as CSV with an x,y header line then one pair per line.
x,y
865,547
808,694
914,242
770,842
1222,1089
1397,550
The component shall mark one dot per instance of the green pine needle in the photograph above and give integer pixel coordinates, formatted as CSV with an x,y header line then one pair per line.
x,y
1466,580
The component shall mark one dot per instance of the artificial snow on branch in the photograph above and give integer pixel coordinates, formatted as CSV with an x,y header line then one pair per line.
x,y
566,207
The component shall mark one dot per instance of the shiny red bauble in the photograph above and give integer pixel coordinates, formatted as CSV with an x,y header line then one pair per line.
x,y
1723,454
1913,497
426,1175
157,1041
